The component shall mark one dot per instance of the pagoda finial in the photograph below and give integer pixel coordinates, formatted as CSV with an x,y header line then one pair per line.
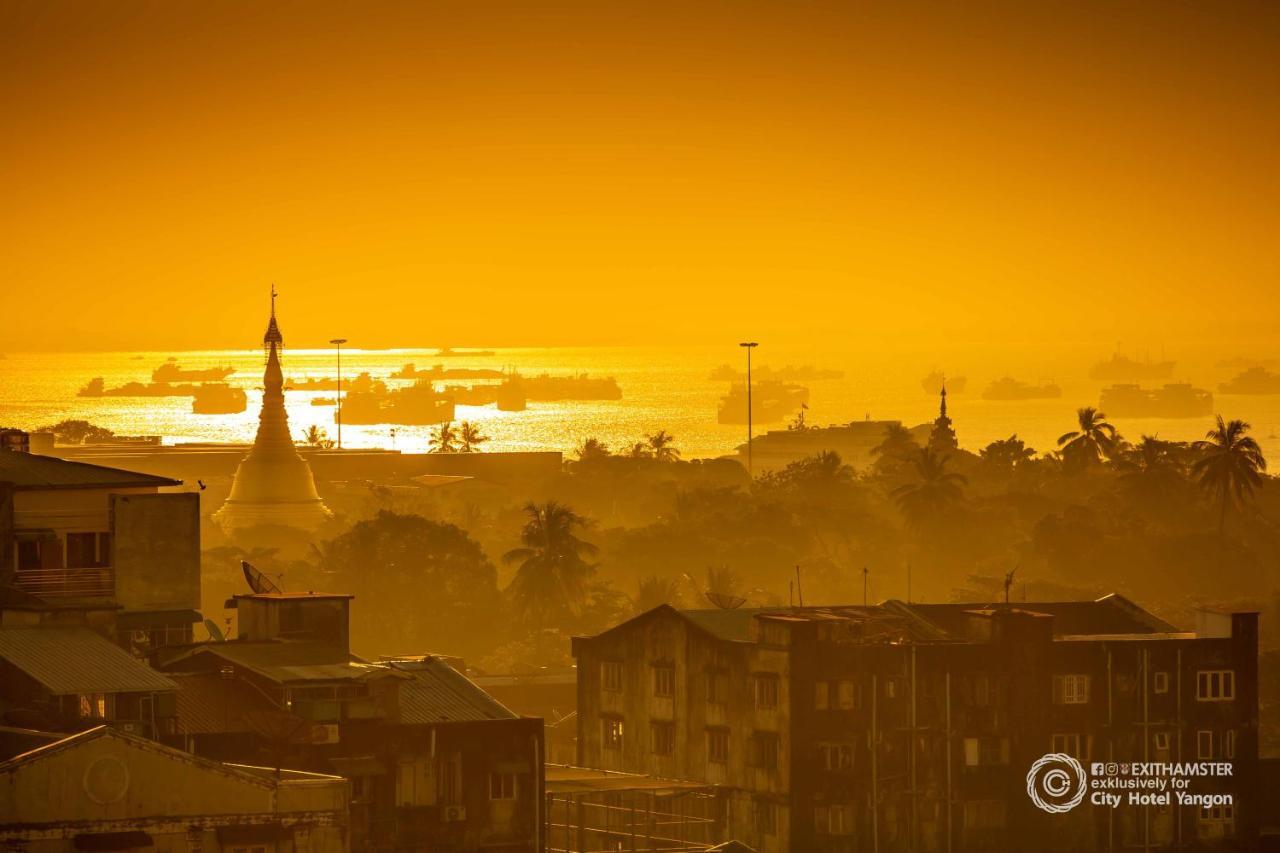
x,y
272,337
943,407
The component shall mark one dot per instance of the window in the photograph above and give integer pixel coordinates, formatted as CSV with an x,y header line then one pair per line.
x,y
664,680
1230,740
1225,813
718,746
1071,689
93,706
88,550
717,687
611,676
764,750
449,780
836,756
766,817
1074,745
821,695
663,735
834,819
502,786
984,814
1206,744
1215,685
891,688
1161,682
984,751
1162,741
29,556
611,732
766,690
848,695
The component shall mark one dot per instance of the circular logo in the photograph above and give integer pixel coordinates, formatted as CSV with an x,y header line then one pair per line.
x,y
1056,783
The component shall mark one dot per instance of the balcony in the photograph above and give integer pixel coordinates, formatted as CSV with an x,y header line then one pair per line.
x,y
67,583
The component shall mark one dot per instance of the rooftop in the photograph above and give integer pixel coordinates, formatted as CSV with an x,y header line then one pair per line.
x,y
31,472
69,660
282,662
436,692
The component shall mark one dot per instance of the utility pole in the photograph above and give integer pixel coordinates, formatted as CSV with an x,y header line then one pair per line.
x,y
865,572
751,468
338,342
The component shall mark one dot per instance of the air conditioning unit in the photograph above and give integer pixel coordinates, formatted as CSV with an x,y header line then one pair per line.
x,y
454,814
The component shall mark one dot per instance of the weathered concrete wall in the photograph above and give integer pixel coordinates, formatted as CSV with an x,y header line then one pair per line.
x,y
157,550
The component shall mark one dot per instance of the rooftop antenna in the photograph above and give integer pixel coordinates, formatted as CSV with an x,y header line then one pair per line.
x,y
1008,582
908,582
799,588
865,572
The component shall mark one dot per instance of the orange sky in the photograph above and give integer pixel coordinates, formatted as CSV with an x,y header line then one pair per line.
x,y
477,173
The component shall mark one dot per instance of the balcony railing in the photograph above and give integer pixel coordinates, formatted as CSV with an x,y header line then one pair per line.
x,y
67,583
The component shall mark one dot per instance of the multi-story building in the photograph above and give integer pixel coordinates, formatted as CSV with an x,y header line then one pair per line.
x,y
435,762
913,727
117,551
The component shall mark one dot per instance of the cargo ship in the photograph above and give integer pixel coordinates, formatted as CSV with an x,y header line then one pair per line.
x,y
1011,389
1255,380
170,371
417,405
1175,400
218,398
771,401
1121,368
439,373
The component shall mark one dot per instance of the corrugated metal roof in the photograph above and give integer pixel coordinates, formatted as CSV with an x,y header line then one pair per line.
x,y
31,471
439,693
286,663
69,660
208,703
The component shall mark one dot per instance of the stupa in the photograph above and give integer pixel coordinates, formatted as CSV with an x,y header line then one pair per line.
x,y
273,485
942,438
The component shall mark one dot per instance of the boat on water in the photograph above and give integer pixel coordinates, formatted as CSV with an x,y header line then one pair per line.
x,y
855,442
1121,368
1255,380
450,352
932,384
787,373
219,398
771,401
1175,400
1008,388
171,371
97,387
439,373
417,405
546,388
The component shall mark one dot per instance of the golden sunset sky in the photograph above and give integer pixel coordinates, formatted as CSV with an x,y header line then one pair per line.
x,y
510,173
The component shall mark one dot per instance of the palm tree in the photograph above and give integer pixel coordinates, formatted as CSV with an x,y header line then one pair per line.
x,y
1007,454
444,439
654,591
934,492
1149,471
554,571
640,450
662,445
470,437
591,450
316,437
1232,466
1093,440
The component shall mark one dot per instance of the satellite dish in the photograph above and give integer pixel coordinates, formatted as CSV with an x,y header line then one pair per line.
x,y
215,633
258,582
724,600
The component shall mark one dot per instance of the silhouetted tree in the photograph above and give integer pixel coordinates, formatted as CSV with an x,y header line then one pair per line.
x,y
470,437
72,431
1092,441
1006,454
723,581
640,450
1232,466
553,574
444,439
592,450
662,446
654,591
1150,471
933,493
317,437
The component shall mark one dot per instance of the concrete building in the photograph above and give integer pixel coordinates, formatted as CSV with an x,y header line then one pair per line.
x,y
113,550
913,727
106,790
435,762
273,485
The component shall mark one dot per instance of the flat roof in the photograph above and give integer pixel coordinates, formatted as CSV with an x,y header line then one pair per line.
x,y
32,472
567,779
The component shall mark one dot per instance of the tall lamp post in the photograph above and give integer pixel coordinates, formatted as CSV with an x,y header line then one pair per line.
x,y
338,342
749,346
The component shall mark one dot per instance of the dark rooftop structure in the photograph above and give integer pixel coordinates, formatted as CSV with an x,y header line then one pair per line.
x,y
29,472
436,692
73,660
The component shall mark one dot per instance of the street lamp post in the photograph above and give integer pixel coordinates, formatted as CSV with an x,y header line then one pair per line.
x,y
749,346
338,342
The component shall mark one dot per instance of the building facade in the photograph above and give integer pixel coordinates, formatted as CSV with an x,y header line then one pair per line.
x,y
913,727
